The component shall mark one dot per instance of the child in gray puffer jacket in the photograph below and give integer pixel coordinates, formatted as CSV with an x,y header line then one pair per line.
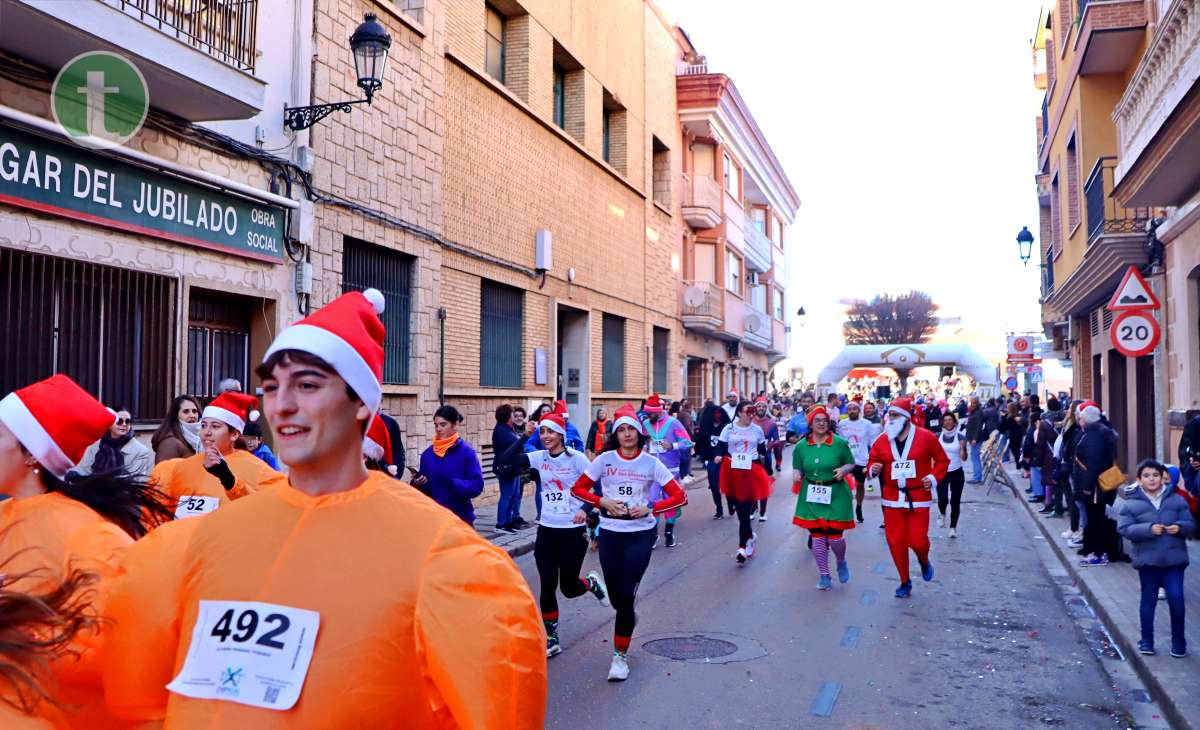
x,y
1157,522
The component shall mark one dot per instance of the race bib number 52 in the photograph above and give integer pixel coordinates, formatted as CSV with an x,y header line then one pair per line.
x,y
194,506
247,652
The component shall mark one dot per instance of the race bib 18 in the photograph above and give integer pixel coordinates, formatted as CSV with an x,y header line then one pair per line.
x,y
818,494
195,506
740,461
247,652
904,469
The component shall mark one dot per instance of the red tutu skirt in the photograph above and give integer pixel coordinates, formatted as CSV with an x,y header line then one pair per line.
x,y
745,485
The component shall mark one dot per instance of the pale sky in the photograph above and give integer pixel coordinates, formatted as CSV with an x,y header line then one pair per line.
x,y
908,131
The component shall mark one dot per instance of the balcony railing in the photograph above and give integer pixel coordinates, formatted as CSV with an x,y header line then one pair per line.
x,y
1048,274
758,249
224,29
1104,216
701,191
1045,116
703,299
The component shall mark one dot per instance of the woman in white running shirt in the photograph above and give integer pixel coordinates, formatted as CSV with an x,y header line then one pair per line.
x,y
627,476
950,488
742,453
561,542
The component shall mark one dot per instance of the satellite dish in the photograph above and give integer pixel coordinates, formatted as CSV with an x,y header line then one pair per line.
x,y
693,296
753,323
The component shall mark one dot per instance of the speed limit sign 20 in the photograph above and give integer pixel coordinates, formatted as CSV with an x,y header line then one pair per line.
x,y
1135,333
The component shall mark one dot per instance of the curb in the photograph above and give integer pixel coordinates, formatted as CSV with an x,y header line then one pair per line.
x,y
1170,710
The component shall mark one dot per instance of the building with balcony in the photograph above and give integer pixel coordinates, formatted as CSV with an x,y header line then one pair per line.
x,y
737,206
1158,146
1084,53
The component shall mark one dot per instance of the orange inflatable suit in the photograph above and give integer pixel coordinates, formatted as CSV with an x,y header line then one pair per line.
x,y
188,478
370,608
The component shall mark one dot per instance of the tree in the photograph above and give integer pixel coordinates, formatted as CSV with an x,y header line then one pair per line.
x,y
891,320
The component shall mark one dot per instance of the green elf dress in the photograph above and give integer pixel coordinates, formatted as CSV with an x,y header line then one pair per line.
x,y
824,503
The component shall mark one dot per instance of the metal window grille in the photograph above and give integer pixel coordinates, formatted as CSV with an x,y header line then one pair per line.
x,y
661,339
613,353
365,266
111,330
218,342
501,323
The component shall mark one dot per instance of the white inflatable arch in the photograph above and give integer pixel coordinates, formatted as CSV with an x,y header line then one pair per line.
x,y
908,356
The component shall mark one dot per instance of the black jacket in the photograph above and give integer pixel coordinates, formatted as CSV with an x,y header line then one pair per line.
x,y
991,421
398,456
1095,452
975,426
1189,444
503,436
712,420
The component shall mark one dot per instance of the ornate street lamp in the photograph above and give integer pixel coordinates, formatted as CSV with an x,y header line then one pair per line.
x,y
369,44
1025,244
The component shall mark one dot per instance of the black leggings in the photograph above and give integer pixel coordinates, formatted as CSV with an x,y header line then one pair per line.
x,y
559,553
953,482
743,510
624,557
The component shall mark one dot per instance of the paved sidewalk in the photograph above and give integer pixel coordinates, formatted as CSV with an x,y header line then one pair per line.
x,y
1114,593
522,542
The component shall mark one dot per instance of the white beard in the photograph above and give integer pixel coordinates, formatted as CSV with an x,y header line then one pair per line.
x,y
893,428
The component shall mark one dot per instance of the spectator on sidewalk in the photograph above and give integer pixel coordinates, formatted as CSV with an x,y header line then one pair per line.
x,y
252,437
975,438
519,422
991,419
597,433
229,385
508,510
118,450
1095,453
1064,486
396,439
450,473
1042,463
574,440
1012,426
686,416
178,437
1157,522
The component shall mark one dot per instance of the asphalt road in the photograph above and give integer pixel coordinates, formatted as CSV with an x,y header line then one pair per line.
x,y
989,643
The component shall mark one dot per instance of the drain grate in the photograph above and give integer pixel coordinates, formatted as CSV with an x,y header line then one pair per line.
x,y
690,648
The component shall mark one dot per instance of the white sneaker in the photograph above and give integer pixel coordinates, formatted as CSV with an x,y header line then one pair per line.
x,y
1066,534
1162,594
762,518
753,515
750,545
740,556
689,479
618,671
598,589
953,532
941,520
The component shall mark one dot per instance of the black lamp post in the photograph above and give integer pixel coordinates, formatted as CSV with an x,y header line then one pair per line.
x,y
369,44
1025,244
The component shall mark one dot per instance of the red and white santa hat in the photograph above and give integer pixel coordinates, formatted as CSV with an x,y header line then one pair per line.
x,y
377,444
654,404
1089,411
233,409
626,415
903,406
55,420
348,334
556,422
560,409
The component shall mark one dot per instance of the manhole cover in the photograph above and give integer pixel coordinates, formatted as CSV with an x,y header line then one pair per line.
x,y
690,648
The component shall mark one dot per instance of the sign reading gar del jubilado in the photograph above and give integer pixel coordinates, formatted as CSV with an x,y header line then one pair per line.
x,y
62,179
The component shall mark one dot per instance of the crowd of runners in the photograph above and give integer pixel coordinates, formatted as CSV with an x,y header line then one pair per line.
x,y
218,591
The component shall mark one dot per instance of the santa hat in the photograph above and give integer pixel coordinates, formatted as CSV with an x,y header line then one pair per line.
x,y
760,401
1089,411
556,422
733,392
653,404
903,406
55,420
560,409
233,409
814,412
347,334
377,444
854,404
626,415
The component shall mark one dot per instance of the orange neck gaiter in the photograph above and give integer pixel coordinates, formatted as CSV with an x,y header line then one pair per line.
x,y
441,446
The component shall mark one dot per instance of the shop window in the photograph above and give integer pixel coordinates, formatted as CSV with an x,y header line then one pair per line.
x,y
501,322
112,330
613,353
366,266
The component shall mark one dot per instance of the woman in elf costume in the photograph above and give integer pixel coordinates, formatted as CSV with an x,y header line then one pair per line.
x,y
825,505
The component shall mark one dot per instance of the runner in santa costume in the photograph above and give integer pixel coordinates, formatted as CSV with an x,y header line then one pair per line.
x,y
561,542
742,451
821,462
219,473
910,463
337,600
627,476
667,441
55,523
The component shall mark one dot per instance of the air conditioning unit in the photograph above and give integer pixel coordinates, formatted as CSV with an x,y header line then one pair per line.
x,y
752,278
734,350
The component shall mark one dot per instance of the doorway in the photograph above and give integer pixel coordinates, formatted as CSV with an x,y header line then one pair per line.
x,y
1143,373
573,377
694,388
1117,404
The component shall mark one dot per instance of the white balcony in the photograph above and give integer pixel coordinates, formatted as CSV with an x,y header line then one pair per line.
x,y
701,201
757,250
703,306
756,332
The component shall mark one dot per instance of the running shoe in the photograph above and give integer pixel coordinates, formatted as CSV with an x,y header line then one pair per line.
x,y
1179,652
506,529
953,532
825,584
1162,594
905,589
927,571
1075,543
618,671
520,524
941,520
750,544
740,557
1066,534
762,518
670,540
858,513
718,516
655,541
553,648
689,479
597,588
1094,561
1147,648
753,515
843,569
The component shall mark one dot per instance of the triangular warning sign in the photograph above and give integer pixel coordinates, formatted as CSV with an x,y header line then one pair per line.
x,y
1133,293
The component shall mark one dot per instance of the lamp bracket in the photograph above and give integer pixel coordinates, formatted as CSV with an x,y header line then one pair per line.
x,y
296,118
